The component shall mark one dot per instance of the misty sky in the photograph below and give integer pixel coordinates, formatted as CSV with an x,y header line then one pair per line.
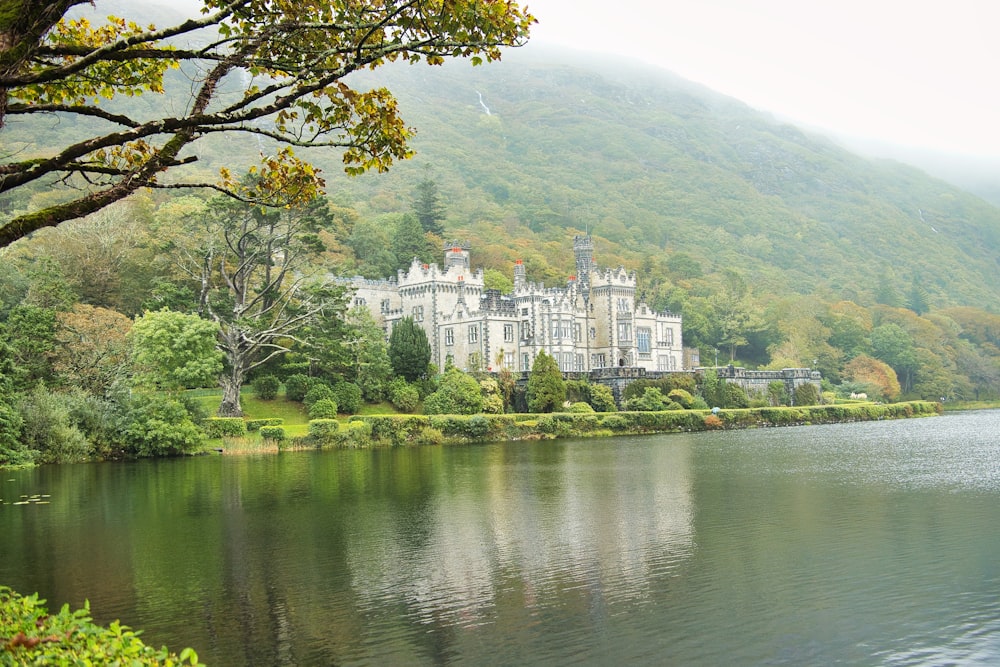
x,y
916,72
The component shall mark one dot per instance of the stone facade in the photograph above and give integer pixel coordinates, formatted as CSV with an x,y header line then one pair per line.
x,y
756,382
592,322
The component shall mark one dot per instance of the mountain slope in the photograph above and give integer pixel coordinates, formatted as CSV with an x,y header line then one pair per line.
x,y
651,163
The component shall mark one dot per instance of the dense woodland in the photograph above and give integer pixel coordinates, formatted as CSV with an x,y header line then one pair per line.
x,y
780,249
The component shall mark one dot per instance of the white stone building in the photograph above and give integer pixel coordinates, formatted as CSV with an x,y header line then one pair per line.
x,y
593,322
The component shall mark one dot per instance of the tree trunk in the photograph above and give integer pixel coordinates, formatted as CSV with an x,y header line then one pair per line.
x,y
231,386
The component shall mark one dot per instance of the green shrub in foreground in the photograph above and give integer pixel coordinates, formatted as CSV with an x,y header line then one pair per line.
x,y
266,387
33,636
273,433
224,427
255,424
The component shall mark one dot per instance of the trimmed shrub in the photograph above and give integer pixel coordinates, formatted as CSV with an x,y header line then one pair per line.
x,y
323,431
319,390
297,385
324,408
273,433
224,427
403,396
713,422
355,434
266,387
255,424
581,407
348,397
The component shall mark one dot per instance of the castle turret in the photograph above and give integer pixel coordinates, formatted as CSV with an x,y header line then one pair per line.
x,y
583,250
456,254
520,275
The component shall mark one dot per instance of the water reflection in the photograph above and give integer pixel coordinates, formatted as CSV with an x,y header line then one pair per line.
x,y
864,543
534,527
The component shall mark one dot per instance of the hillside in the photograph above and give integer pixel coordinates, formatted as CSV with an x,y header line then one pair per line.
x,y
653,165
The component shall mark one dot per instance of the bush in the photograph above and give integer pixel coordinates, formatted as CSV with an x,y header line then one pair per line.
x,y
297,385
255,424
324,408
323,431
602,398
266,387
682,398
316,392
48,429
806,394
733,396
273,433
348,397
580,407
713,422
224,427
34,636
157,425
403,396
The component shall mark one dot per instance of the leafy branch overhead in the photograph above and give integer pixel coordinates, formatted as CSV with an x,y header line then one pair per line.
x,y
288,60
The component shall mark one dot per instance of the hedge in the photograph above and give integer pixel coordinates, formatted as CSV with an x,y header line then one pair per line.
x,y
273,433
224,427
256,424
403,430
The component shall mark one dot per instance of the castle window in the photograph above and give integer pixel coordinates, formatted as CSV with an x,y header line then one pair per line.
x,y
663,363
525,362
525,329
624,305
598,361
579,363
418,313
475,362
359,301
449,336
508,359
508,333
576,332
642,336
524,311
624,332
593,333
473,333
667,335
386,305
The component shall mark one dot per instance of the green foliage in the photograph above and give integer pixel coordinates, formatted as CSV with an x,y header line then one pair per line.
x,y
273,433
12,448
324,408
546,390
733,396
777,394
174,351
157,425
31,336
266,387
348,397
323,431
35,636
404,396
712,388
682,397
297,385
580,408
652,400
428,207
49,431
806,394
257,424
458,393
409,349
224,427
602,399
319,390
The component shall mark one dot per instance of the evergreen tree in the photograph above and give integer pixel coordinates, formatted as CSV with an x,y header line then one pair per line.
x,y
408,241
409,349
546,389
428,207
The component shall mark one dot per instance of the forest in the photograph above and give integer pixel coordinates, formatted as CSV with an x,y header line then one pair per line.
x,y
779,249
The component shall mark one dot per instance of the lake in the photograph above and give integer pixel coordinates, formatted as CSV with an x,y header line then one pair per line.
x,y
870,543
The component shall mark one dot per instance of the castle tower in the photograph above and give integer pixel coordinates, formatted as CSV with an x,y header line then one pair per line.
x,y
520,275
456,254
583,250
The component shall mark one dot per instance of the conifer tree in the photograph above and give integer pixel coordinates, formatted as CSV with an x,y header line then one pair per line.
x,y
409,350
546,389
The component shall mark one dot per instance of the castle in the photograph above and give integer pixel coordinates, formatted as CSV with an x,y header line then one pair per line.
x,y
592,323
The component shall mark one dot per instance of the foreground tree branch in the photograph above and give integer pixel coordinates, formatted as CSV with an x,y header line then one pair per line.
x,y
291,59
